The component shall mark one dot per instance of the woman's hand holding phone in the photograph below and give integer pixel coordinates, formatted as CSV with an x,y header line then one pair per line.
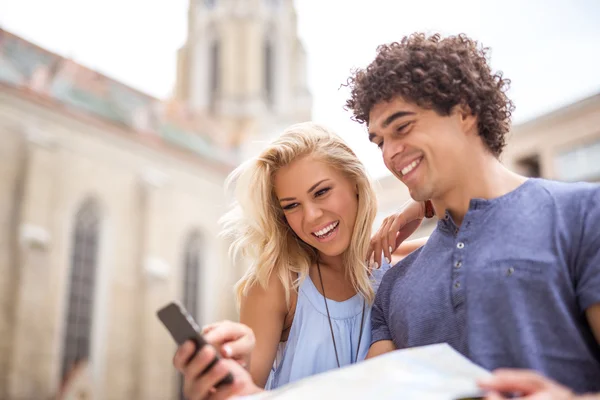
x,y
234,342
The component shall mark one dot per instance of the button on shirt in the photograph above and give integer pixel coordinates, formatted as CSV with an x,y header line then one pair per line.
x,y
509,288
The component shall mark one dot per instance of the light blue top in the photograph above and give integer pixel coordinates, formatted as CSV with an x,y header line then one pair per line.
x,y
309,348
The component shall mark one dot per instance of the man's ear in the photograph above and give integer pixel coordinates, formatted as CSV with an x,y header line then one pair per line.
x,y
466,118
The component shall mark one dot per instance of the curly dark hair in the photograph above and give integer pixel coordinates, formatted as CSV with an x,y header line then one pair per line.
x,y
437,74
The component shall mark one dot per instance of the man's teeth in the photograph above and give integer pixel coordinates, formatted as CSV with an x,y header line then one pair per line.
x,y
327,229
410,167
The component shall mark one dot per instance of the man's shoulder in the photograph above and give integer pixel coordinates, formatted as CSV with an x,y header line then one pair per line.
x,y
568,199
409,259
398,270
568,192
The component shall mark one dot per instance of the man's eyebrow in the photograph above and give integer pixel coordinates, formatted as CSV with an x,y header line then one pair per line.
x,y
390,119
395,116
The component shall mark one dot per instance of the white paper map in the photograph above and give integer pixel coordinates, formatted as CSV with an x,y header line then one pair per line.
x,y
430,372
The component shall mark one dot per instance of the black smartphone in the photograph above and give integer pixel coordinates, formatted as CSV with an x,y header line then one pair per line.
x,y
182,327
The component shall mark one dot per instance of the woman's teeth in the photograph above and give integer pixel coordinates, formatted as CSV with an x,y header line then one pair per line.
x,y
327,230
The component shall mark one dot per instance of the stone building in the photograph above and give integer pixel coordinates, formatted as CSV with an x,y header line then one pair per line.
x,y
244,65
110,199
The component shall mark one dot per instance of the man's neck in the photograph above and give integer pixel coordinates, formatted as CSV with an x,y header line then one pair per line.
x,y
485,178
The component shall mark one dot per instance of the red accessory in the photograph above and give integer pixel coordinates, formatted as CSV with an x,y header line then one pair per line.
x,y
429,211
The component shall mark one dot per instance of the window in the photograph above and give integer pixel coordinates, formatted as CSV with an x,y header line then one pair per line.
x,y
191,275
192,265
580,163
80,306
214,72
269,72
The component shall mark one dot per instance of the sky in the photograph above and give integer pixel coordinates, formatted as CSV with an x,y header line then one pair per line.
x,y
550,49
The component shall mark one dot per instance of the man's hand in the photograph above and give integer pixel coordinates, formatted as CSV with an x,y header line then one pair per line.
x,y
380,347
528,385
593,317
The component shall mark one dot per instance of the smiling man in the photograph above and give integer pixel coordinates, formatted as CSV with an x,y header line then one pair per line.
x,y
511,275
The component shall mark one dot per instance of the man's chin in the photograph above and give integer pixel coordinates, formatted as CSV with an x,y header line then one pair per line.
x,y
419,195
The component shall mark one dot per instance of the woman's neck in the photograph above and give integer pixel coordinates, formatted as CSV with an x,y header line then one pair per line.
x,y
331,273
335,263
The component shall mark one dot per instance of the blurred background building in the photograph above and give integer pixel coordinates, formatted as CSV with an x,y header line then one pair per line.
x,y
244,66
111,199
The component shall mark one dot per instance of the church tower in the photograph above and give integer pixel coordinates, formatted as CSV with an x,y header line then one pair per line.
x,y
244,66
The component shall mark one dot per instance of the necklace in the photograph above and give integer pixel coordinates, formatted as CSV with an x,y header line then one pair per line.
x,y
362,320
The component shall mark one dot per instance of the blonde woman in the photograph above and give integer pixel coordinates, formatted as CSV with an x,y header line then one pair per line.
x,y
302,221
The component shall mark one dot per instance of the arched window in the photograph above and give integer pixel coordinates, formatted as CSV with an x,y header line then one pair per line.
x,y
191,277
82,285
192,253
269,70
214,75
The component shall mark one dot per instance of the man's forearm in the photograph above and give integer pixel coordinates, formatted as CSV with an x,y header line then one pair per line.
x,y
380,347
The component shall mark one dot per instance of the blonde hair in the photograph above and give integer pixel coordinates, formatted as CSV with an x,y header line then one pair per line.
x,y
257,226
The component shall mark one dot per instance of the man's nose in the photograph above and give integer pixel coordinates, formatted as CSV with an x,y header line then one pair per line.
x,y
391,149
